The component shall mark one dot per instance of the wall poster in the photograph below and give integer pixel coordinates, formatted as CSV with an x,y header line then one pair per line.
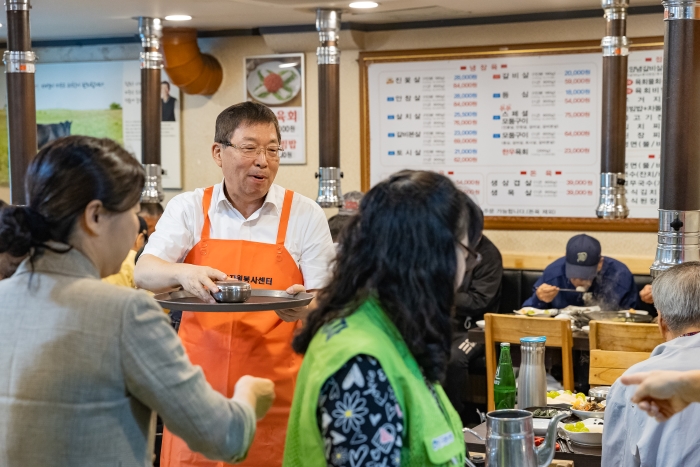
x,y
101,99
278,82
517,130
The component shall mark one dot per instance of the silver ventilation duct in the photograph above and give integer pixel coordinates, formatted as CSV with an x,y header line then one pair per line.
x,y
679,206
328,55
613,203
151,31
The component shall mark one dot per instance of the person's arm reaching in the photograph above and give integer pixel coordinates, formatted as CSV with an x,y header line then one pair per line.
x,y
159,374
662,394
154,274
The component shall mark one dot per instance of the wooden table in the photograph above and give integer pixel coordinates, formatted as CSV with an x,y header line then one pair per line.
x,y
582,456
580,338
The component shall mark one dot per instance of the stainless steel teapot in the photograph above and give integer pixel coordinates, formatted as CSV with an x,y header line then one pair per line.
x,y
510,440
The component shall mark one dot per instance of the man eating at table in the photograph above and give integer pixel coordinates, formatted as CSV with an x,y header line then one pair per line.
x,y
630,437
587,279
249,228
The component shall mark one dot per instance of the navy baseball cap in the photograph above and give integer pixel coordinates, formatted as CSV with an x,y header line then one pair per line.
x,y
582,257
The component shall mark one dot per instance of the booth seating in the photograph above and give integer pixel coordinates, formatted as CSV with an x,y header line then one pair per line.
x,y
517,284
617,346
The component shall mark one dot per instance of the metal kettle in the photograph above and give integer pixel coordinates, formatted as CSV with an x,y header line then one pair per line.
x,y
510,440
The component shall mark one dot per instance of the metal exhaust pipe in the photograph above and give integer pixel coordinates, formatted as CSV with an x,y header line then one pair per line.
x,y
613,202
679,206
328,56
151,31
21,98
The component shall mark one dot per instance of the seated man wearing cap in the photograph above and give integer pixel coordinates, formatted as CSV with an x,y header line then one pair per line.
x,y
599,280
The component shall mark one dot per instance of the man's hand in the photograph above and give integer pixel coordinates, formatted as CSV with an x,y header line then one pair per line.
x,y
645,294
546,292
258,392
290,315
199,280
661,394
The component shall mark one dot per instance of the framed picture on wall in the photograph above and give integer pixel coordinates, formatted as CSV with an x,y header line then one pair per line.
x,y
278,82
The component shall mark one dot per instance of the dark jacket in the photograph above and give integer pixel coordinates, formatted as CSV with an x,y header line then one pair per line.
x,y
613,288
480,291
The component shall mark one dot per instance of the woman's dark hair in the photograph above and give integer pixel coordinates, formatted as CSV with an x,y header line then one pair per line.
x,y
63,178
401,248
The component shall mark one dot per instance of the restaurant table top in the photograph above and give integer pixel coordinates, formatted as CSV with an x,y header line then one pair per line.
x,y
580,338
582,456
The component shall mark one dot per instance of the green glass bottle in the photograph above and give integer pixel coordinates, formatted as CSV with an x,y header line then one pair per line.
x,y
504,385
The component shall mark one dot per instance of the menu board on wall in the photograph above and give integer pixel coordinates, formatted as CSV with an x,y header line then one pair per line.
x,y
519,133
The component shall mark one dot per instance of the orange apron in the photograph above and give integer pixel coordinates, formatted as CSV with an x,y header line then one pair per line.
x,y
230,345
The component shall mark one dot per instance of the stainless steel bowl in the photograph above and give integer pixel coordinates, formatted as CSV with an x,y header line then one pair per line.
x,y
232,292
600,393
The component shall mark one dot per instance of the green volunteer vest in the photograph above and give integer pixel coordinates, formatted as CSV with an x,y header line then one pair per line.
x,y
429,439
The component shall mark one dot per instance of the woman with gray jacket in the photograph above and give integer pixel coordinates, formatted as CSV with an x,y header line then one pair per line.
x,y
83,363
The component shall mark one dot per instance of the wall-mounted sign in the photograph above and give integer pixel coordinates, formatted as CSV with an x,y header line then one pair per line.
x,y
101,99
278,82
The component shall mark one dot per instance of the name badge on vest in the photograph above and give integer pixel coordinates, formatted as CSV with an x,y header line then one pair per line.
x,y
443,440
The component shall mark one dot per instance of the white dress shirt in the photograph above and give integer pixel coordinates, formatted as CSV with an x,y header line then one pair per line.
x,y
631,438
308,237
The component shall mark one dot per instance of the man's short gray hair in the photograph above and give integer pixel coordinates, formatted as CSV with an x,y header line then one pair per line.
x,y
677,296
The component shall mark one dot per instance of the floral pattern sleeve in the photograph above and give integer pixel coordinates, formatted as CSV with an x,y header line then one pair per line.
x,y
360,420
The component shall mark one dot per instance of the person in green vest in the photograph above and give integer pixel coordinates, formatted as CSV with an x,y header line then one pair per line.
x,y
376,347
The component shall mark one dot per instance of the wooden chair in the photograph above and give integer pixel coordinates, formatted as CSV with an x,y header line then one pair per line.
x,y
510,328
617,346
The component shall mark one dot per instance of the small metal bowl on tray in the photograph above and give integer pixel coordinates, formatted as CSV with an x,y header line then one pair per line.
x,y
232,292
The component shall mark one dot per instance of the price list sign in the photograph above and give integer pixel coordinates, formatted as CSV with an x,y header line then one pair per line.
x,y
521,135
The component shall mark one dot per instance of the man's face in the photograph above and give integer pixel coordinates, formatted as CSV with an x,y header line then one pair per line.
x,y
586,284
248,178
164,91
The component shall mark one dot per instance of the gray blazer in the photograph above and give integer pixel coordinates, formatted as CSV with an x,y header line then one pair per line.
x,y
83,363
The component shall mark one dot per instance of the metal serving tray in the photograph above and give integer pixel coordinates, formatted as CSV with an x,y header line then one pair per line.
x,y
260,300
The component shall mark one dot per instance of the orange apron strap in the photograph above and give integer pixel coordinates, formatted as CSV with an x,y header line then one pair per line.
x,y
284,218
206,203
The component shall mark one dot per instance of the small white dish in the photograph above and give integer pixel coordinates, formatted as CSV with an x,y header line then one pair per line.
x,y
481,324
540,425
586,329
594,437
584,415
537,313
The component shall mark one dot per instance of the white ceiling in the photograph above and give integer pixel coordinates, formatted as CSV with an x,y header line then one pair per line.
x,y
80,19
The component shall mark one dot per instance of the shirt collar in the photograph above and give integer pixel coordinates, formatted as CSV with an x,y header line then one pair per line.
x,y
273,199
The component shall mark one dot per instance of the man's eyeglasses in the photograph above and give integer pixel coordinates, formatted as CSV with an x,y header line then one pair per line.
x,y
252,151
473,258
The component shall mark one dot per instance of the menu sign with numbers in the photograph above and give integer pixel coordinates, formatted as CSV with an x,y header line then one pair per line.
x,y
520,134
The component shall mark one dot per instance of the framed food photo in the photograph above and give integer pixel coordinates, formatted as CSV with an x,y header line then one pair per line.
x,y
278,82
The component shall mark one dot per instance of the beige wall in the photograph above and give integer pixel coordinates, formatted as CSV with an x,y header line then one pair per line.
x,y
520,248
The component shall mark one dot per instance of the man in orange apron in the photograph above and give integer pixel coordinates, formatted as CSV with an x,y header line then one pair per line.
x,y
249,228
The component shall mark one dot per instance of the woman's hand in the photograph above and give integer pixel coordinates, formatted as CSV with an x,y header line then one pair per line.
x,y
661,394
290,315
546,292
199,280
258,392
